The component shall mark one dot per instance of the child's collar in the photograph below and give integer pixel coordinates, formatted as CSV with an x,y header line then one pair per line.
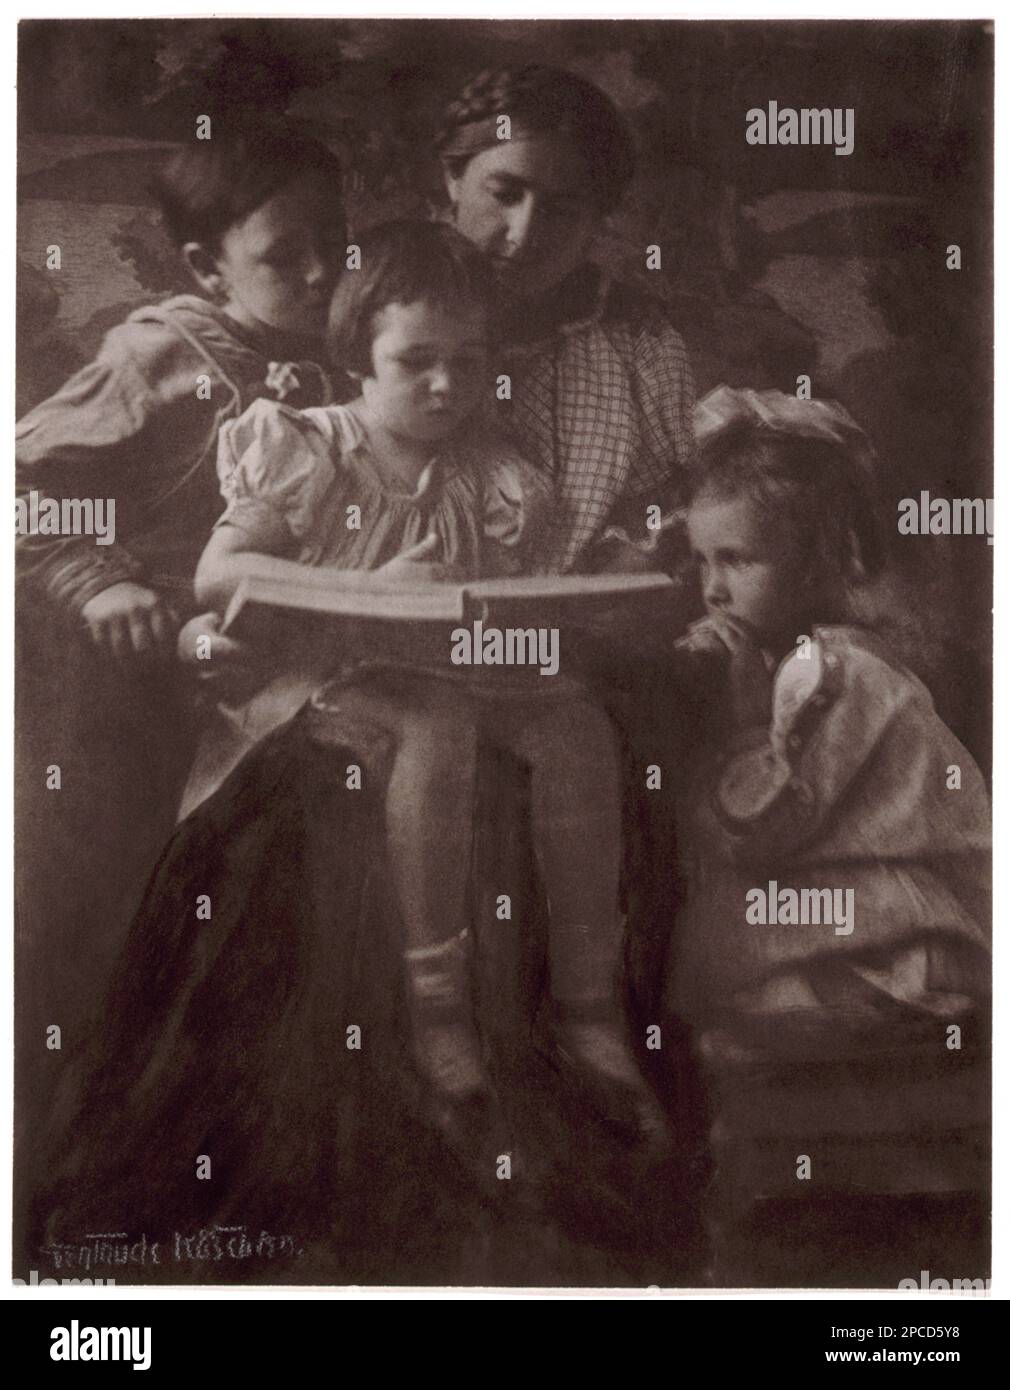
x,y
275,345
266,342
442,463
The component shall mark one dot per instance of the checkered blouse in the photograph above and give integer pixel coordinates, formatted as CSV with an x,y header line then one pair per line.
x,y
603,406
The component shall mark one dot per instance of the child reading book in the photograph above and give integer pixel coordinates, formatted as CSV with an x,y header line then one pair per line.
x,y
407,482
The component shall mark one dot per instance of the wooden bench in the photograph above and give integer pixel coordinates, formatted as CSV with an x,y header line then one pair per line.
x,y
872,1143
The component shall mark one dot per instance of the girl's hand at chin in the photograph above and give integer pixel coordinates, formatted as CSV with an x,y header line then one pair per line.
x,y
751,679
703,636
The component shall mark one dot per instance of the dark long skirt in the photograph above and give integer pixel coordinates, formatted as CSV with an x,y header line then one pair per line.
x,y
245,1108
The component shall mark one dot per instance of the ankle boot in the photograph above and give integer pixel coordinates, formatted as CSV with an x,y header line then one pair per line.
x,y
589,1044
446,1048
457,1099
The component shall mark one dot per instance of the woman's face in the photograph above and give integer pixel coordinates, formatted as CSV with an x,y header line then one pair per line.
x,y
527,203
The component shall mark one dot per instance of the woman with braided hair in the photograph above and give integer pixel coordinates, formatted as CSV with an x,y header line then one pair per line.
x,y
601,387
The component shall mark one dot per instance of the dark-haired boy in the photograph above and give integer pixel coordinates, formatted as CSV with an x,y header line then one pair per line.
x,y
104,725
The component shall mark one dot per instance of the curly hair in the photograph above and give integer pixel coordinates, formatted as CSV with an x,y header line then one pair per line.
x,y
543,99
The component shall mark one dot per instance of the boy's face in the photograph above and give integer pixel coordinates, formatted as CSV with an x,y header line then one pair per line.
x,y
428,367
279,265
744,572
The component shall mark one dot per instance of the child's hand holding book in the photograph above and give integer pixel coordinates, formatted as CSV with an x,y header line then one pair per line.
x,y
415,565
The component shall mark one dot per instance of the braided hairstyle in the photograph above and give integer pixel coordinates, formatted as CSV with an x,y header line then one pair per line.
x,y
541,99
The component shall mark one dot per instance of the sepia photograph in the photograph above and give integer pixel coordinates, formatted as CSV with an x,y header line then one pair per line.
x,y
503,675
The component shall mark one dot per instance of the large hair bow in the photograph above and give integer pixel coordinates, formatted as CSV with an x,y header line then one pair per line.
x,y
727,406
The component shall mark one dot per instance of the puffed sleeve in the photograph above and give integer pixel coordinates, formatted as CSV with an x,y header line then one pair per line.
x,y
517,505
778,789
275,465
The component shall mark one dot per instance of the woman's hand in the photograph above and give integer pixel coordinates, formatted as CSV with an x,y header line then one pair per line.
x,y
413,566
624,557
132,622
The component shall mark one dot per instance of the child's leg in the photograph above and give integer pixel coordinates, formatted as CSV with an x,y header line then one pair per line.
x,y
429,819
572,750
429,814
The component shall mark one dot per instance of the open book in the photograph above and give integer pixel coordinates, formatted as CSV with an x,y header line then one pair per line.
x,y
413,619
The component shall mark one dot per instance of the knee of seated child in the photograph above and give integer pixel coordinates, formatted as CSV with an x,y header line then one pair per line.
x,y
438,731
568,729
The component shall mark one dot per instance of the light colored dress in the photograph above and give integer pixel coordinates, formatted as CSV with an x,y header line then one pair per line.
x,y
305,484
296,473
851,787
